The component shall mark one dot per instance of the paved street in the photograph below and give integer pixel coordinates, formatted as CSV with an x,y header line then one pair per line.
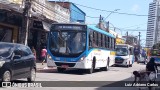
x,y
114,74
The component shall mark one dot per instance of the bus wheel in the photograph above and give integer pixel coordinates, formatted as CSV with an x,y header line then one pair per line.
x,y
91,70
59,69
107,66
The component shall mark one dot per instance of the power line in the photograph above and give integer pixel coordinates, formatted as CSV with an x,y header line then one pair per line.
x,y
134,25
112,11
130,29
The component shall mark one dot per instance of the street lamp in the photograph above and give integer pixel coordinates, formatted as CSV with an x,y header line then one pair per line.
x,y
111,13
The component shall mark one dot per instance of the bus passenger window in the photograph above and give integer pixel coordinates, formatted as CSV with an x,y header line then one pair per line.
x,y
103,42
109,44
94,44
106,41
99,40
90,38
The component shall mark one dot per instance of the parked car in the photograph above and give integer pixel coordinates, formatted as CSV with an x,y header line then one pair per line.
x,y
142,60
16,61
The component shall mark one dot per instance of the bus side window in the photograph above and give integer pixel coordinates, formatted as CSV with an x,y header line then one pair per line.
x,y
99,39
130,51
103,41
106,42
94,44
90,38
109,42
97,43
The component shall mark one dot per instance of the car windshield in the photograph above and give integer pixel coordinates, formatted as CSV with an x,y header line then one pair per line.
x,y
5,50
121,51
67,42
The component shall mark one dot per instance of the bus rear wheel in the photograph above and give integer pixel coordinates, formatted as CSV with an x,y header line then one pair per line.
x,y
107,67
59,69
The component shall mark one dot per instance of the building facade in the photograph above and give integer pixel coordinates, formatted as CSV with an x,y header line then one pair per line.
x,y
131,40
76,14
42,14
153,27
10,21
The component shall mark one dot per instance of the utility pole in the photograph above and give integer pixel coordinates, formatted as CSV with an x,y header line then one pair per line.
x,y
139,39
127,38
26,13
139,44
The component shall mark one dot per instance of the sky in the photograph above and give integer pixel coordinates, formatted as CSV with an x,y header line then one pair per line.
x,y
121,21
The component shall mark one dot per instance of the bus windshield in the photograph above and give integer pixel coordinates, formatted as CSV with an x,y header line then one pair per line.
x,y
121,51
67,43
155,52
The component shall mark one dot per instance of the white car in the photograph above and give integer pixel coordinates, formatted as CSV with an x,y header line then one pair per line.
x,y
142,60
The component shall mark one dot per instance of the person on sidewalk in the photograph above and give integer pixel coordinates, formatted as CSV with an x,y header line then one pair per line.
x,y
43,54
34,52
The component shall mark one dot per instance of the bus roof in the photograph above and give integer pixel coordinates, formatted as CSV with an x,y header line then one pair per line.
x,y
100,30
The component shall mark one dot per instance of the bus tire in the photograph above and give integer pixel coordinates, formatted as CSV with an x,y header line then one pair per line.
x,y
107,66
59,69
91,70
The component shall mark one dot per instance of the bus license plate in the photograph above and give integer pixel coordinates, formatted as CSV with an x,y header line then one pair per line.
x,y
64,66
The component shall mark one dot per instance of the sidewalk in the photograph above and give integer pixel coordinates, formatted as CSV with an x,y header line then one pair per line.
x,y
43,67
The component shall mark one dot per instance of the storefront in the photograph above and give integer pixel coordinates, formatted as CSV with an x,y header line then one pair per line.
x,y
10,24
38,35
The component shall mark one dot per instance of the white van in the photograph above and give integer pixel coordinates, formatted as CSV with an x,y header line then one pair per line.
x,y
124,55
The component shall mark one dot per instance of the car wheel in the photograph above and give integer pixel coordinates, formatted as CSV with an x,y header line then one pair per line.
x,y
128,65
6,76
32,76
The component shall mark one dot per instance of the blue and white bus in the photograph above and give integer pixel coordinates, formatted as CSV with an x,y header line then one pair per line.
x,y
80,46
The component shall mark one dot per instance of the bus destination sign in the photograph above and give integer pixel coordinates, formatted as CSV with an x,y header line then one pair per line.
x,y
69,27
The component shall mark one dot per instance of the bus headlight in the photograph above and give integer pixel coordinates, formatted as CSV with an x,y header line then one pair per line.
x,y
82,58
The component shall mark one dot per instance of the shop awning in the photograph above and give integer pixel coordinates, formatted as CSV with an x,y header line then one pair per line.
x,y
46,26
41,25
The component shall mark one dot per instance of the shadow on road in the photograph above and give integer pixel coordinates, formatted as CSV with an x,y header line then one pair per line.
x,y
69,71
120,85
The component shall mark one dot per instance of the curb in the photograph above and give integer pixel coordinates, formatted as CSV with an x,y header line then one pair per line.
x,y
46,68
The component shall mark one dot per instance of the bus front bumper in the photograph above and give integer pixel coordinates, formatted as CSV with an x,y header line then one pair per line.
x,y
74,65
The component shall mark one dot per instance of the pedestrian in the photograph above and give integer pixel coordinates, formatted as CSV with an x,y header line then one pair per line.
x,y
34,52
152,70
43,54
